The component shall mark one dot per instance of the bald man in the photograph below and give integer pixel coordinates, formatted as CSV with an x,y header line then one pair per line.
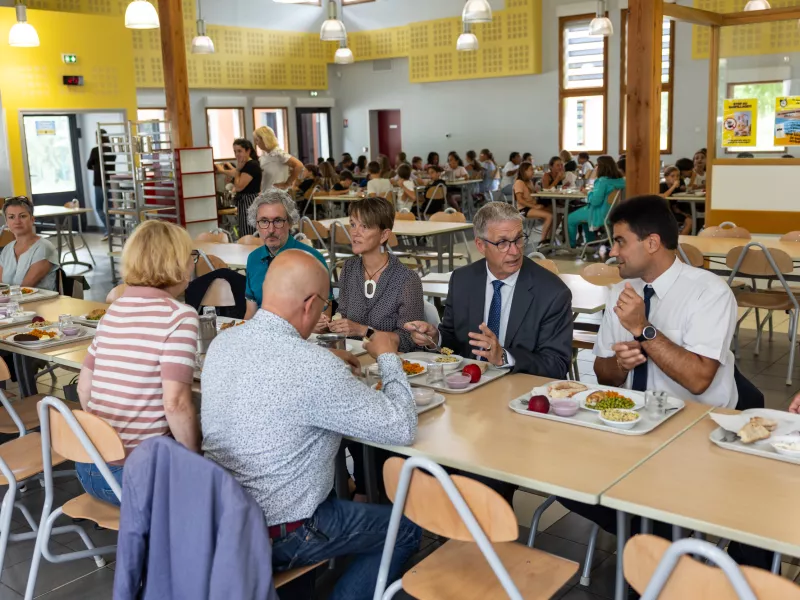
x,y
275,408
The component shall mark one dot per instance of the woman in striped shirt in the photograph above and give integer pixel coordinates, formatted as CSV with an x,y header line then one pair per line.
x,y
139,370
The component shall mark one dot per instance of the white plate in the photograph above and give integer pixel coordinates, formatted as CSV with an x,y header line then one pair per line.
x,y
88,320
31,343
49,325
620,424
430,359
421,364
794,439
542,390
636,397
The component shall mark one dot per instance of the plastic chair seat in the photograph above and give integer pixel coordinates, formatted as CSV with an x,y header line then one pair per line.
x,y
24,457
584,340
459,571
768,300
281,579
27,411
88,507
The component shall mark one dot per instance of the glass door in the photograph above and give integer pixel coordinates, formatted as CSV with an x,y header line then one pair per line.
x,y
313,134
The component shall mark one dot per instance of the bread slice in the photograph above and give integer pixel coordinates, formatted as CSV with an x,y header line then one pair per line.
x,y
768,424
752,432
565,389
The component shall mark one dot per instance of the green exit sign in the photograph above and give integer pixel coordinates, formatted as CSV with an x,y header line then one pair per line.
x,y
69,59
314,94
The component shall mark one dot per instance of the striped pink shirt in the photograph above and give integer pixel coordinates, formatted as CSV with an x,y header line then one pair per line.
x,y
145,337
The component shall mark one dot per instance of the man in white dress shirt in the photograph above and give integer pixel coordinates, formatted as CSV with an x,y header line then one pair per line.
x,y
510,171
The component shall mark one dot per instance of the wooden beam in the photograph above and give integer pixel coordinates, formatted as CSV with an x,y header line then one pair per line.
x,y
697,16
790,13
644,96
713,128
176,77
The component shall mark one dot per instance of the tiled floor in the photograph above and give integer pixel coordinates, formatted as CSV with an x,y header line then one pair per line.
x,y
562,533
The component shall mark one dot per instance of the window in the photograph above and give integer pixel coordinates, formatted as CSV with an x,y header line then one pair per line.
x,y
765,92
277,119
224,126
346,2
667,76
583,86
151,114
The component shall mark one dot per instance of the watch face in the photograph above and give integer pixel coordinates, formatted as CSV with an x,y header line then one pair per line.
x,y
649,332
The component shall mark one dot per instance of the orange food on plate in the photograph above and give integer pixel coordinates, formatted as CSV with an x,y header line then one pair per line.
x,y
43,333
412,368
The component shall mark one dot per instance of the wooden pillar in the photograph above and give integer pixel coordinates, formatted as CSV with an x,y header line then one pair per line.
x,y
644,96
176,77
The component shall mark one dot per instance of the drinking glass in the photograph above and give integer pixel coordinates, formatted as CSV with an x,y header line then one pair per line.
x,y
64,321
209,311
373,374
14,293
436,374
12,308
655,404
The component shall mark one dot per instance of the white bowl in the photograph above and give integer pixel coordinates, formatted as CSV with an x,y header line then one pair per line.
x,y
448,366
791,439
620,424
423,396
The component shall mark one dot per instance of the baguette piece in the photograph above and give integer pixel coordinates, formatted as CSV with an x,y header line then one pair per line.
x,y
768,424
753,432
565,389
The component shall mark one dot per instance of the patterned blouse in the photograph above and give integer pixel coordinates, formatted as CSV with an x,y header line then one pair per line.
x,y
397,300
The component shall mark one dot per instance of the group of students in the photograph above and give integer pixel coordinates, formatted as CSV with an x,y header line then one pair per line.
x,y
686,175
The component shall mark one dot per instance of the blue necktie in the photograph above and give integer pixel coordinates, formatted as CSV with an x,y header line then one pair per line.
x,y
496,308
640,372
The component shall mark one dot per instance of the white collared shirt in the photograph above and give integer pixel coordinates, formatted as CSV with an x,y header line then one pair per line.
x,y
696,310
506,295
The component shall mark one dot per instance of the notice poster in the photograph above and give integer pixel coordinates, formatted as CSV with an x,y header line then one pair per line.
x,y
45,127
787,121
739,123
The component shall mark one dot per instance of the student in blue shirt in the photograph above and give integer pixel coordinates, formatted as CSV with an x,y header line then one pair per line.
x,y
273,214
593,215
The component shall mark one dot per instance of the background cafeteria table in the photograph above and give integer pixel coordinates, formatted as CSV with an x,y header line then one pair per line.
x,y
234,255
714,247
62,218
554,197
693,200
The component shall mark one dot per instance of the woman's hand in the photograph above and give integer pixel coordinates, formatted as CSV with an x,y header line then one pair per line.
x,y
348,328
322,324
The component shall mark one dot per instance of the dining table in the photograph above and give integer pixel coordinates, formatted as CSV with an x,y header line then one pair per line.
x,y
694,201
555,197
343,199
234,255
62,219
719,247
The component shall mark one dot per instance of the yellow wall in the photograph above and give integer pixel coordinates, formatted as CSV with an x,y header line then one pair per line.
x,y
30,78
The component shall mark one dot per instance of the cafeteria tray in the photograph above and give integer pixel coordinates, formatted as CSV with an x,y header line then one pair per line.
x,y
591,419
84,334
763,448
438,400
37,295
492,374
15,321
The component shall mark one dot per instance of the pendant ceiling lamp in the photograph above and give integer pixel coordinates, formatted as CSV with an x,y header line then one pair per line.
x,y
757,5
601,24
467,42
333,29
140,14
22,34
201,43
343,56
477,11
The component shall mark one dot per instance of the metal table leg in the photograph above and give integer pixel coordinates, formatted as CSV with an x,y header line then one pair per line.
x,y
623,527
440,252
451,246
647,526
694,217
61,222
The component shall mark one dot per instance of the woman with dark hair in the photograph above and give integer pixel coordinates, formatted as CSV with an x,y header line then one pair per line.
x,y
308,179
386,168
456,166
593,215
433,160
527,205
29,260
246,178
556,175
489,171
474,168
328,176
361,166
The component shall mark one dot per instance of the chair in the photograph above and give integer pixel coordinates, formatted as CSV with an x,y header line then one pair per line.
x,y
80,437
451,215
543,262
691,256
404,215
249,240
657,569
755,260
725,230
614,198
792,236
219,293
436,192
206,263
601,274
116,293
217,237
481,560
317,233
6,237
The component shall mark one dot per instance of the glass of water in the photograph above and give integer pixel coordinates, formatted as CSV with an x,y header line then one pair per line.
x,y
373,374
655,404
12,308
436,374
209,311
14,293
64,321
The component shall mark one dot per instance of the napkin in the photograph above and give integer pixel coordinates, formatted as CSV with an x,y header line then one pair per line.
x,y
732,423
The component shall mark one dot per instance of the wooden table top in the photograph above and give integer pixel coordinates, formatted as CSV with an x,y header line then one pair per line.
x,y
689,197
562,194
479,433
48,212
234,255
697,485
713,247
413,228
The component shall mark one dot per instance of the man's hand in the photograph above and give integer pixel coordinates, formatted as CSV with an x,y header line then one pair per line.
x,y
630,311
794,407
382,342
422,333
629,355
487,345
348,328
322,324
350,359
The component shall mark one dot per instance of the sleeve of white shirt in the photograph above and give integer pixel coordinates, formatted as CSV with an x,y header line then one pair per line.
x,y
709,329
609,328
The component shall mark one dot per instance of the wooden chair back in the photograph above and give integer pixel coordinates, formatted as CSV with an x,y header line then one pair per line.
x,y
756,264
725,232
438,192
613,197
404,216
201,267
792,236
5,373
342,235
693,579
448,217
116,293
103,436
548,264
314,230
219,293
310,192
694,256
219,237
249,240
601,274
428,505
6,237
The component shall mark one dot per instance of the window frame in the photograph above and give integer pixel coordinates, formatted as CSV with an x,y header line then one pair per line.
x,y
285,112
623,82
729,94
208,129
564,93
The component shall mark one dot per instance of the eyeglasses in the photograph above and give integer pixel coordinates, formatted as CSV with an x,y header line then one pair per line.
x,y
325,303
265,223
505,245
16,200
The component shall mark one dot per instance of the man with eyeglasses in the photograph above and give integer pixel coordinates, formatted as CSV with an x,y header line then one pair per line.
x,y
273,214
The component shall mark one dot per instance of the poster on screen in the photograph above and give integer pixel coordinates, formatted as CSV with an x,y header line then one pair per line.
x,y
787,121
739,123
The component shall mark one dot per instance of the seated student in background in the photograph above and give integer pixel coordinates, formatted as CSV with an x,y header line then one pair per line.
x,y
435,177
328,176
670,186
408,191
585,166
593,215
555,176
621,165
401,159
308,179
509,173
386,168
566,158
456,166
474,168
342,186
418,172
377,185
433,160
529,206
29,260
527,157
361,166
570,174
489,171
698,181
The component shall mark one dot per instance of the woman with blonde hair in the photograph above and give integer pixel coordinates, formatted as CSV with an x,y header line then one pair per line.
x,y
280,169
139,369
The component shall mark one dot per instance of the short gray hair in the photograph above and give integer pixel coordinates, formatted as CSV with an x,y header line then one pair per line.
x,y
494,212
274,196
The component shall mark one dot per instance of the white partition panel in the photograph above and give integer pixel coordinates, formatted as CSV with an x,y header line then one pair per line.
x,y
769,188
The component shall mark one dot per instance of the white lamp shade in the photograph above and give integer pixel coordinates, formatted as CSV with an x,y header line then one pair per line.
x,y
601,26
477,11
202,44
140,14
467,42
757,5
23,35
333,31
290,1
343,56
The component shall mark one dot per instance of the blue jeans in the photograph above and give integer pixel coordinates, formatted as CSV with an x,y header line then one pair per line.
x,y
95,484
342,528
100,207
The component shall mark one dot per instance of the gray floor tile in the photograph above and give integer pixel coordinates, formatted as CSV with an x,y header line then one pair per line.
x,y
99,537
18,552
576,528
94,586
6,593
604,578
50,576
774,383
578,593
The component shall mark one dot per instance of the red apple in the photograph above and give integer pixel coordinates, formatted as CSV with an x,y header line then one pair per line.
x,y
472,371
539,404
37,319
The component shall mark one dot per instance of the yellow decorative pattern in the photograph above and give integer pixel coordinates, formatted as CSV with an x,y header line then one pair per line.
x,y
747,40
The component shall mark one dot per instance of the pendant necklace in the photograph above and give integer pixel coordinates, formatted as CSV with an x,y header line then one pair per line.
x,y
370,285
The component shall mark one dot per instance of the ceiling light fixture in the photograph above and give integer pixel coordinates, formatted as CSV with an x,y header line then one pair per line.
x,y
22,34
601,24
201,43
333,29
467,42
477,11
757,5
343,56
140,14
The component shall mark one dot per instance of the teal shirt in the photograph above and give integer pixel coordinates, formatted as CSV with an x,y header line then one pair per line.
x,y
258,262
598,199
